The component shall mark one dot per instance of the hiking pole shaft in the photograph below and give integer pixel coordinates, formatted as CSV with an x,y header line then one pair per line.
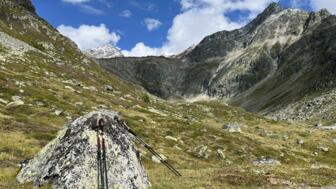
x,y
149,148
105,165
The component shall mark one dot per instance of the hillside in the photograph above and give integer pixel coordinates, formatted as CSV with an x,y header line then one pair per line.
x,y
275,65
46,82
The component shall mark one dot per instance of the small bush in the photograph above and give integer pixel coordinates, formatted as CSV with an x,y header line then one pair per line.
x,y
146,98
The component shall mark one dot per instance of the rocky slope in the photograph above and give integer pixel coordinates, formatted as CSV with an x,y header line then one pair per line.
x,y
45,82
104,51
280,57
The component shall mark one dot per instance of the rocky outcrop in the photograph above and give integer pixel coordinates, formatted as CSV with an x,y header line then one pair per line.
x,y
70,160
27,4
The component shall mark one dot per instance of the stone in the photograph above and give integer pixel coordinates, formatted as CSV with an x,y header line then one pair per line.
x,y
16,98
3,101
91,88
108,88
20,83
39,103
15,103
79,103
220,154
323,148
70,88
328,128
202,151
299,141
319,166
156,160
266,161
70,160
58,112
334,140
171,138
177,147
232,128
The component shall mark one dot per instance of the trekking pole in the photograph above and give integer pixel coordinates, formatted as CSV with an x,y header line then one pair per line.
x,y
101,155
101,124
98,158
151,150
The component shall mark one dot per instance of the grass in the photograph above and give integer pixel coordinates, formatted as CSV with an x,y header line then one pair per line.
x,y
25,129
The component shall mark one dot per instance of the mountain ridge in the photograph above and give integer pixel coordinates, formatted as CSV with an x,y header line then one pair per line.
x,y
229,65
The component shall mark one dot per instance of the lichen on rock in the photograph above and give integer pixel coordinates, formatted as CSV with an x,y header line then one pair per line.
x,y
70,160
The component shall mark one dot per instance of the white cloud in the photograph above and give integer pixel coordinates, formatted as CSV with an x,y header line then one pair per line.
x,y
199,18
140,49
91,10
152,24
88,37
125,13
75,1
330,5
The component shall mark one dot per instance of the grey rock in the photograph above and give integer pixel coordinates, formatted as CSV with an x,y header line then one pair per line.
x,y
70,160
202,151
3,101
15,103
266,161
328,127
334,140
220,154
323,148
171,138
300,141
39,103
58,112
232,128
16,98
108,88
79,103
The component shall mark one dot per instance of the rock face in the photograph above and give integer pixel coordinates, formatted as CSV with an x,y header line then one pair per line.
x,y
280,57
104,51
70,160
27,4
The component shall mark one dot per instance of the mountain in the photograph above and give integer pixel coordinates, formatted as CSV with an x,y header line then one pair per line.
x,y
47,82
104,51
282,57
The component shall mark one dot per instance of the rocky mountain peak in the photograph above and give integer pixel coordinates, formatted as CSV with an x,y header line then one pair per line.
x,y
315,18
324,13
273,7
105,51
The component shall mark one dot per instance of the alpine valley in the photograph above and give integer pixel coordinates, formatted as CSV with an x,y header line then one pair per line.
x,y
248,108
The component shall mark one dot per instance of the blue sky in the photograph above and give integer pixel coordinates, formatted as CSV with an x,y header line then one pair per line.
x,y
153,27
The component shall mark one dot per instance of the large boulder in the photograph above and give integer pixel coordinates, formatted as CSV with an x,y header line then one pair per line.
x,y
70,160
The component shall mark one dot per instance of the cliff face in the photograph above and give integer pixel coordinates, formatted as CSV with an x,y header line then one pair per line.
x,y
270,63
